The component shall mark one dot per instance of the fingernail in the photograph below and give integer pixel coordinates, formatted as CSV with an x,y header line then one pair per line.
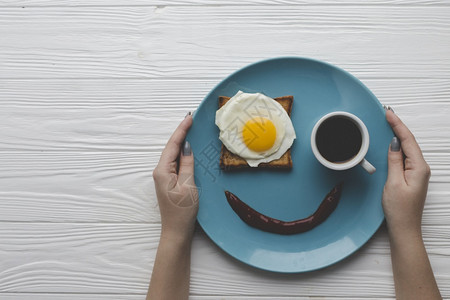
x,y
188,114
387,107
395,144
186,148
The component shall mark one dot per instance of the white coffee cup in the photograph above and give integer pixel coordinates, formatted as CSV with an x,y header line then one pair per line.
x,y
334,136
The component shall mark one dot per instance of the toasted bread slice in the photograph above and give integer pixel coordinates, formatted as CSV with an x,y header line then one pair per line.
x,y
230,161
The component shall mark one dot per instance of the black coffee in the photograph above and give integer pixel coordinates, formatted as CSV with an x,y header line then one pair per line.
x,y
338,139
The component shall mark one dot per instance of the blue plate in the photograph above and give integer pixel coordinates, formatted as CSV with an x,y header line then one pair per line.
x,y
318,88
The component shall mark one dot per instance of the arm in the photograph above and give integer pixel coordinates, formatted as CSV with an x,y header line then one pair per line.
x,y
171,272
403,202
178,203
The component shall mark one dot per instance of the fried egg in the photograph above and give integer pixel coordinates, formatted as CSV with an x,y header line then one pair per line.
x,y
255,127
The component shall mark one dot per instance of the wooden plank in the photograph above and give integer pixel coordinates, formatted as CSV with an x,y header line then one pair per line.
x,y
78,187
67,296
147,42
117,259
75,3
69,258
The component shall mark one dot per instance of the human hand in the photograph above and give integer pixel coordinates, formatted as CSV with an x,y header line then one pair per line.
x,y
175,186
407,182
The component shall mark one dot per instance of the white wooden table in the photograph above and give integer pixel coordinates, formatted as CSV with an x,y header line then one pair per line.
x,y
90,90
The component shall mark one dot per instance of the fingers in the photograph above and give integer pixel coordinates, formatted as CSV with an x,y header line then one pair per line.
x,y
407,140
173,146
395,162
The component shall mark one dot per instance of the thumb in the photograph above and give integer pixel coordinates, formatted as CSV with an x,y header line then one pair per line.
x,y
186,160
395,162
186,175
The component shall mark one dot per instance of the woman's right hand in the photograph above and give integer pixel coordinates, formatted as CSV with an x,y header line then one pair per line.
x,y
403,202
175,186
407,182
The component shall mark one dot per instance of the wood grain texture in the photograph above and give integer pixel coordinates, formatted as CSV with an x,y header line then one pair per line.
x,y
78,187
161,4
115,259
56,296
189,42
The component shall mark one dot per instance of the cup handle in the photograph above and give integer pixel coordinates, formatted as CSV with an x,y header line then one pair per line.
x,y
367,166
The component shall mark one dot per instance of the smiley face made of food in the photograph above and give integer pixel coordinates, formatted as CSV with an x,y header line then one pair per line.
x,y
256,131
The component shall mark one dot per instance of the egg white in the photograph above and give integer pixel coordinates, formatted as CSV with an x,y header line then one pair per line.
x,y
242,107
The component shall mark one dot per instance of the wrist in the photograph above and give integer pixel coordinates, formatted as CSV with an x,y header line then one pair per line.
x,y
405,234
179,239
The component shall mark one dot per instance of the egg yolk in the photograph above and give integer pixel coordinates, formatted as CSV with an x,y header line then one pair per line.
x,y
259,134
